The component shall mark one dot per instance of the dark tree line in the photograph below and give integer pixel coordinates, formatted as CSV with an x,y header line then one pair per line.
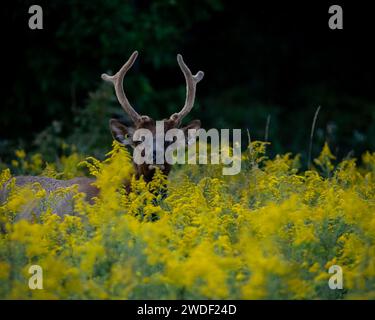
x,y
262,60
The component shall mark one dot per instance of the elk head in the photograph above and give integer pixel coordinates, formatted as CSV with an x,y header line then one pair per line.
x,y
124,134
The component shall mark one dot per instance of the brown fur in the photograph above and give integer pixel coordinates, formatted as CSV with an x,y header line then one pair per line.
x,y
121,133
62,204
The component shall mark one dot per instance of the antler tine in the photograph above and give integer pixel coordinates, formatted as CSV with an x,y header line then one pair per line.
x,y
117,81
191,83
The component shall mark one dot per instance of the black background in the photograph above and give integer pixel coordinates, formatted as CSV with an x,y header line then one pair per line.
x,y
259,58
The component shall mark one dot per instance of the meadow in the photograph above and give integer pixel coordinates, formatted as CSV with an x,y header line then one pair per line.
x,y
270,232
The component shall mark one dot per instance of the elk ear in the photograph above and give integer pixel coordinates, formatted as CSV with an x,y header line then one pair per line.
x,y
121,133
192,134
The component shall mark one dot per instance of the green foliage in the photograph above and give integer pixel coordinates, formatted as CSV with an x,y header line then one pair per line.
x,y
251,73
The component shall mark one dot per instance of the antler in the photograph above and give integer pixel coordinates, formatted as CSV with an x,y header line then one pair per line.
x,y
191,83
117,81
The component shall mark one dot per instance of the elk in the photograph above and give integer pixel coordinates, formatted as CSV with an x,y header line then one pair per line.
x,y
124,135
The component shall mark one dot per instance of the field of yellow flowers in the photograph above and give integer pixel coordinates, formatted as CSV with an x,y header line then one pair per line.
x,y
270,232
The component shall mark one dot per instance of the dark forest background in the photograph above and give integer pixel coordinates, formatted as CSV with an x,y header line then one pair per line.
x,y
260,60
